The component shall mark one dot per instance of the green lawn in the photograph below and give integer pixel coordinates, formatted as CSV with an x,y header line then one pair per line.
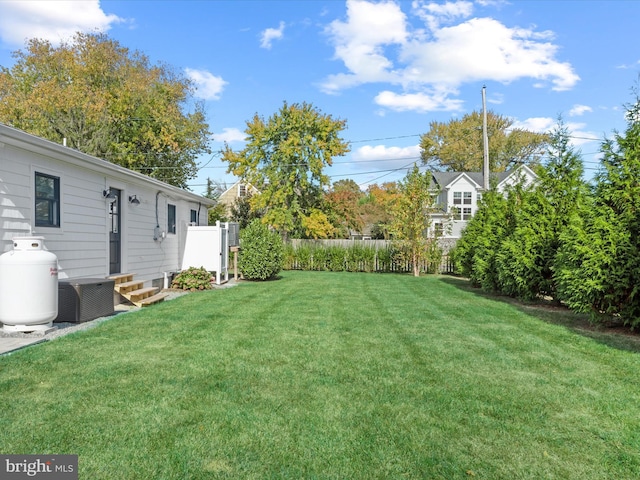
x,y
331,375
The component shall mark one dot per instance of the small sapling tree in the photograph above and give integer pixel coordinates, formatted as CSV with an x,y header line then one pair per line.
x,y
412,218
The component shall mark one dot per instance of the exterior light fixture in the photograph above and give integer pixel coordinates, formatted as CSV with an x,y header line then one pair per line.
x,y
133,200
110,194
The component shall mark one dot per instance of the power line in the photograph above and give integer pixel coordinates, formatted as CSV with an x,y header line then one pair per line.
x,y
386,174
386,138
218,153
349,162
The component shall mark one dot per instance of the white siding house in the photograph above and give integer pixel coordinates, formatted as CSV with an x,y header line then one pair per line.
x,y
98,218
460,193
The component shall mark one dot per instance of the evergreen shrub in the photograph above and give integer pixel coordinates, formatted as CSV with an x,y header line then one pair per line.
x,y
261,253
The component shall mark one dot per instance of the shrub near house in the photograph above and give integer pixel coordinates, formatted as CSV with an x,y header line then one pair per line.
x,y
262,252
193,279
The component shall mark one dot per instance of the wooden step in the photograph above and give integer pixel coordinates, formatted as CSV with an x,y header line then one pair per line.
x,y
145,302
126,287
135,291
121,278
142,293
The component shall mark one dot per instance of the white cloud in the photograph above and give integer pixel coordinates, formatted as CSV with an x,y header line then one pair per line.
x,y
578,110
359,43
483,49
496,98
376,153
377,43
208,86
419,102
535,124
271,34
55,21
230,135
626,67
434,14
379,161
578,136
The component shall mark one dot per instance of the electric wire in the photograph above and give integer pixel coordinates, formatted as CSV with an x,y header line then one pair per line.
x,y
207,165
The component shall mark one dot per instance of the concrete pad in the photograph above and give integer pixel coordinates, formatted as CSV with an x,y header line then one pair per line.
x,y
9,344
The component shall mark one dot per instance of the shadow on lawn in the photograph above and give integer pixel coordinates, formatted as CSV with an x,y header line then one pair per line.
x,y
619,337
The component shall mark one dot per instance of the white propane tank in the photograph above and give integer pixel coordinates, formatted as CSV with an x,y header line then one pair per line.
x,y
28,286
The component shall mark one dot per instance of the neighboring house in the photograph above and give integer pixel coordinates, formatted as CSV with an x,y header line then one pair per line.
x,y
238,190
365,233
98,218
460,193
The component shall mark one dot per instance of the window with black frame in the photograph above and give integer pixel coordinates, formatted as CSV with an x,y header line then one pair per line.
x,y
47,200
171,218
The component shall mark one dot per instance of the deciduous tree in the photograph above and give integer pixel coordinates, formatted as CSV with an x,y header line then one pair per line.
x,y
376,207
243,212
285,157
458,145
343,205
108,102
412,218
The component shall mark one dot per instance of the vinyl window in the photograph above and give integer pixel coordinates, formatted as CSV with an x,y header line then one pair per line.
x,y
171,218
47,200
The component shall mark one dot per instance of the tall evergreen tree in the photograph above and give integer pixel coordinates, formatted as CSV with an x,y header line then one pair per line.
x,y
526,258
598,269
523,268
475,252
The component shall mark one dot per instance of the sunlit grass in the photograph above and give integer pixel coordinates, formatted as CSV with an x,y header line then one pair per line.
x,y
330,375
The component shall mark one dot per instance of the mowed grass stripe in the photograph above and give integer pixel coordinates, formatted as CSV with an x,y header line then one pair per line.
x,y
329,375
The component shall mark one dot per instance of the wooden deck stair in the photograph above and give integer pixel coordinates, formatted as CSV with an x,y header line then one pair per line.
x,y
135,291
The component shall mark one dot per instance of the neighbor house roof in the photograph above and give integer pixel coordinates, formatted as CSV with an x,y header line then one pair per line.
x,y
444,179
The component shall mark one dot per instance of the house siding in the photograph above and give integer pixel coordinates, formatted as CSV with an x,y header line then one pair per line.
x,y
82,241
469,182
524,173
231,194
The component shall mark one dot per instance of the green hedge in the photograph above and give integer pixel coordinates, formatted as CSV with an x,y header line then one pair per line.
x,y
353,258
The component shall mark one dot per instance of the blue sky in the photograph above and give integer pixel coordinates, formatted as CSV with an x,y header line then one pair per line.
x,y
388,68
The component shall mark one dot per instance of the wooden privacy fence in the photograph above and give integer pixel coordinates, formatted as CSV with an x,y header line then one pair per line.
x,y
355,256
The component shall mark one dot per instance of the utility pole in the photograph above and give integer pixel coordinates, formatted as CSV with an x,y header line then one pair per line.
x,y
485,140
